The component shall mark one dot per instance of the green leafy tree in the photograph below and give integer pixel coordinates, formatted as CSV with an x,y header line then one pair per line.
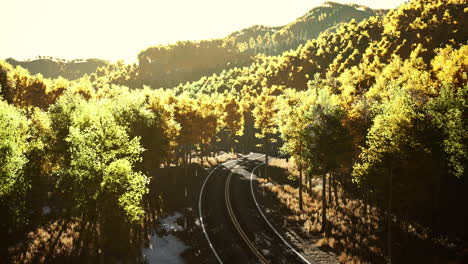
x,y
264,112
389,141
97,159
325,138
13,182
447,137
291,119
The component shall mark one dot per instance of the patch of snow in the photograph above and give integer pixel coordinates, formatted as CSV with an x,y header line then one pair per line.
x,y
166,249
169,223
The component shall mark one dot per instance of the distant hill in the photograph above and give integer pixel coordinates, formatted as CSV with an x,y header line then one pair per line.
x,y
354,52
166,66
275,40
52,67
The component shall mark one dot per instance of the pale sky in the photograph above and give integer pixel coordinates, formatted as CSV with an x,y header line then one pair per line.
x,y
116,29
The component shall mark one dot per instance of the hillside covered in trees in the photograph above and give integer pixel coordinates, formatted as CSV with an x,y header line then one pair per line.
x,y
53,68
184,61
374,107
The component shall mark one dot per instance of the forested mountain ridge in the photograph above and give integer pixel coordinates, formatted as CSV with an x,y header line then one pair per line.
x,y
165,66
354,48
186,61
275,40
53,68
169,65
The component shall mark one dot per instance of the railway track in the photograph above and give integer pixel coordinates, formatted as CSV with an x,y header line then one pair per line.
x,y
239,229
269,246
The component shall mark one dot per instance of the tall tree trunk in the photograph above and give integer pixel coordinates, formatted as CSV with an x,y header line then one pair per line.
x,y
266,157
205,156
300,185
329,188
300,176
389,216
365,200
335,189
190,157
343,194
201,156
406,228
309,176
324,203
185,161
436,208
436,211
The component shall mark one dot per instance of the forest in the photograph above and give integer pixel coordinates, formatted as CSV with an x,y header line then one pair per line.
x,y
370,104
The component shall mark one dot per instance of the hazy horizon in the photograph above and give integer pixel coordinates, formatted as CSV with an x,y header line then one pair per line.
x,y
114,30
